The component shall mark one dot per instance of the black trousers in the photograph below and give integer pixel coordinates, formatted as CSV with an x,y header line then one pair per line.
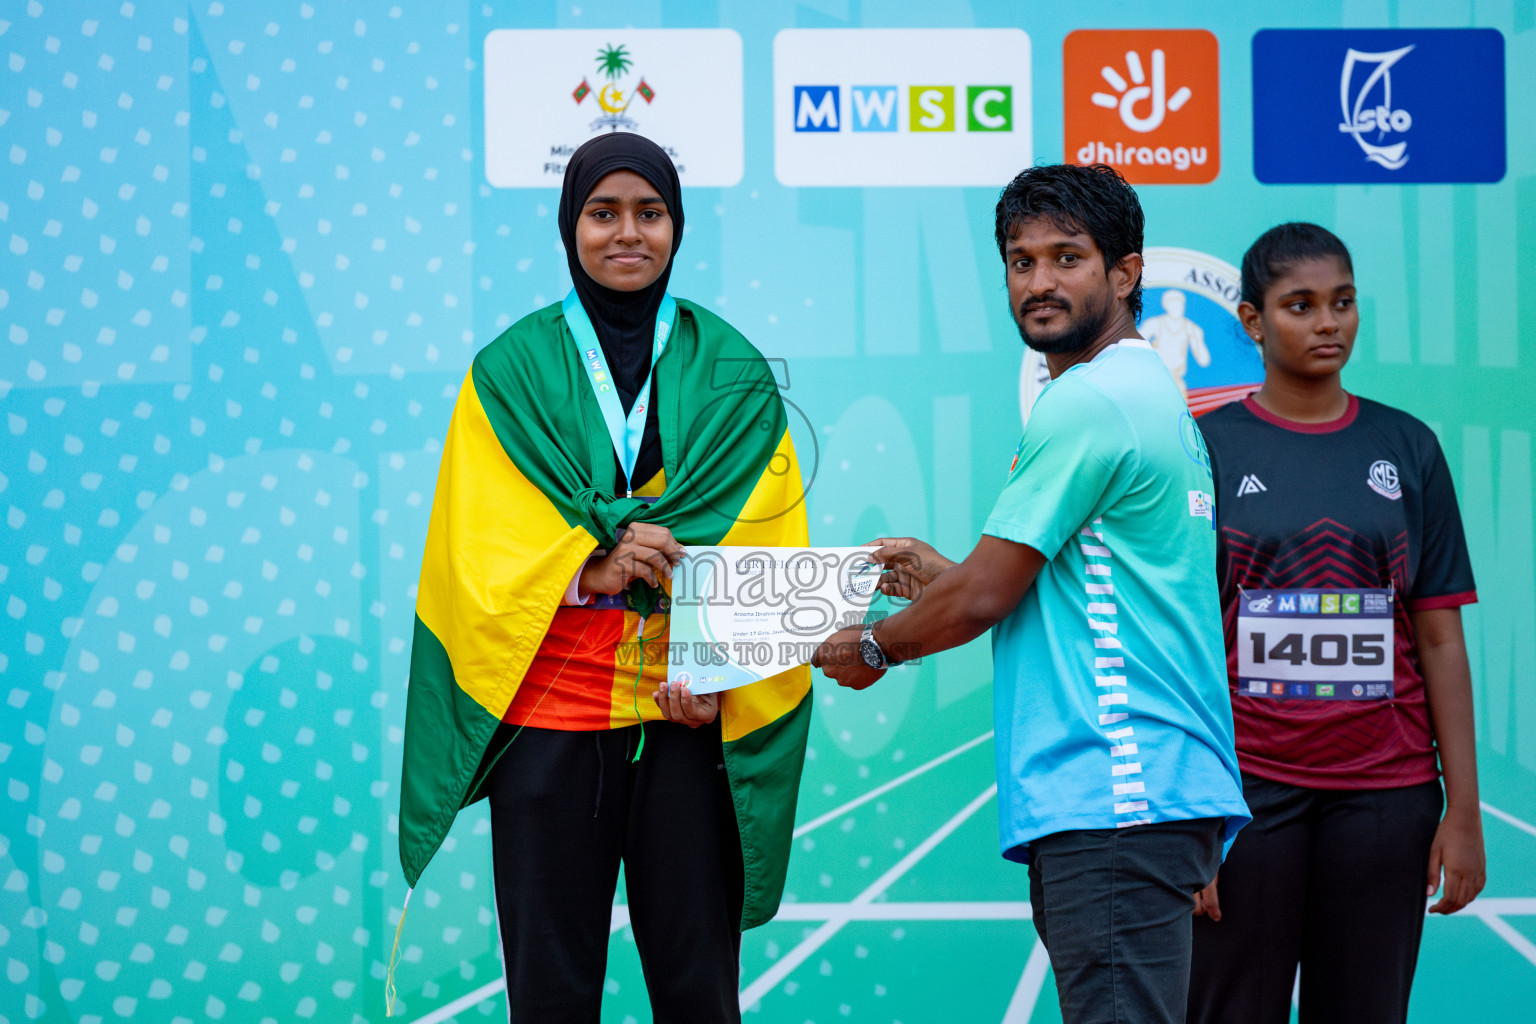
x,y
566,808
1112,907
1332,880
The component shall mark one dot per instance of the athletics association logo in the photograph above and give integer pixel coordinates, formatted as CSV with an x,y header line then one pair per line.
x,y
900,106
549,90
1401,106
1146,102
1189,302
1383,480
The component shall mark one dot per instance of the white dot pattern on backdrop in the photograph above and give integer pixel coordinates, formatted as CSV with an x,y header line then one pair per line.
x,y
94,202
239,292
219,535
355,120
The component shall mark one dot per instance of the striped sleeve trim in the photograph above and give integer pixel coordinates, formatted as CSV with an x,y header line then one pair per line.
x,y
1425,604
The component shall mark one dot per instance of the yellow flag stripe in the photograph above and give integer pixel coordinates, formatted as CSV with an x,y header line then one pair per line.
x,y
774,516
749,708
498,557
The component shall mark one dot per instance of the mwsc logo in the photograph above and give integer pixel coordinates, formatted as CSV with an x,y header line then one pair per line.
x,y
930,108
901,106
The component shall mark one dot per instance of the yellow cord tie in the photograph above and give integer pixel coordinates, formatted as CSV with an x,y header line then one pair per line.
x,y
389,975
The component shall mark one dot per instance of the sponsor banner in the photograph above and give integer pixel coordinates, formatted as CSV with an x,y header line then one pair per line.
x,y
1189,314
549,90
1146,102
901,106
1378,105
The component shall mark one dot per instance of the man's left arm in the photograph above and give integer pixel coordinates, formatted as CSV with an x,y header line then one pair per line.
x,y
964,602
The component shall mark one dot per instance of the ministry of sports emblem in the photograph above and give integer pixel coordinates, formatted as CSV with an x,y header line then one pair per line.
x,y
613,63
549,90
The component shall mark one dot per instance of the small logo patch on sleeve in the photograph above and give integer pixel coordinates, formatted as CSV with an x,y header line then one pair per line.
x,y
1203,506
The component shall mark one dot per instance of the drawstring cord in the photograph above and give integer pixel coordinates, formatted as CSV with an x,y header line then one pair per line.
x,y
635,690
389,976
598,738
641,639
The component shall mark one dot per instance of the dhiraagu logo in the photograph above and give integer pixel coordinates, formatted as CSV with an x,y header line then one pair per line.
x,y
901,106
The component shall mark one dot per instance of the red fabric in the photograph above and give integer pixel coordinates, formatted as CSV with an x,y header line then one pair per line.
x,y
1305,428
1425,604
583,677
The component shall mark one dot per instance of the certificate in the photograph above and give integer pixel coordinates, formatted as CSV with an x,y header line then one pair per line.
x,y
742,614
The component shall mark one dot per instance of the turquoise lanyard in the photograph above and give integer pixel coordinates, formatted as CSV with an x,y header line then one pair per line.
x,y
626,432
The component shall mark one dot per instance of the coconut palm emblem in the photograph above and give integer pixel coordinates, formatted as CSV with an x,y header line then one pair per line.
x,y
613,64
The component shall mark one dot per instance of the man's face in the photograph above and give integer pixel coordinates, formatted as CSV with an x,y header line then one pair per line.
x,y
1058,289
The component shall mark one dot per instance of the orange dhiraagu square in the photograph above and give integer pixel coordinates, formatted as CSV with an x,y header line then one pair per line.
x,y
1146,102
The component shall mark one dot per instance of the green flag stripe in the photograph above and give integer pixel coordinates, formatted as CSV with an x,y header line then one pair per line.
x,y
540,404
764,767
443,747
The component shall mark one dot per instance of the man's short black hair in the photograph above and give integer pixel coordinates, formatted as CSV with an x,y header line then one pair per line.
x,y
1094,200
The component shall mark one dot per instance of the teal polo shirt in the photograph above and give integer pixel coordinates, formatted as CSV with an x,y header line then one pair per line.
x,y
1110,677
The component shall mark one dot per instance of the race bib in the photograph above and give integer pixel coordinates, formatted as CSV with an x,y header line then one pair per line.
x,y
1315,644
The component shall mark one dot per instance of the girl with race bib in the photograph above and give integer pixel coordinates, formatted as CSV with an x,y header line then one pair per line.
x,y
1343,569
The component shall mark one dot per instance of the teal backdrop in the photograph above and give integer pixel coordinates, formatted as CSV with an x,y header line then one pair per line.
x,y
251,250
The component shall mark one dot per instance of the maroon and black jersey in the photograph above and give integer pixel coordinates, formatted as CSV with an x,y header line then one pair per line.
x,y
1363,501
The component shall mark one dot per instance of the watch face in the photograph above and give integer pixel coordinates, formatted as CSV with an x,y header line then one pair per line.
x,y
870,652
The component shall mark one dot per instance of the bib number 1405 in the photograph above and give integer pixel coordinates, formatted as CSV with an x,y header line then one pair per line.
x,y
1315,644
1323,649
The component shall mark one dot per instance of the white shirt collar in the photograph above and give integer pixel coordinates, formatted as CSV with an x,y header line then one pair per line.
x,y
1127,343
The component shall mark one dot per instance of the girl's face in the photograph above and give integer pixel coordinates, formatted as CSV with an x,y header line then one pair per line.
x,y
1308,323
624,232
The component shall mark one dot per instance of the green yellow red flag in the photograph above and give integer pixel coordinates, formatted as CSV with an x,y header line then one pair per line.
x,y
524,495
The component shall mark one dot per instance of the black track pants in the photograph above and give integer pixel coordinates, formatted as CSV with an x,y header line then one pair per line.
x,y
566,808
1332,880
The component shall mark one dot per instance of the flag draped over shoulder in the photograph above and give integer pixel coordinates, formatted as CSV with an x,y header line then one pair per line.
x,y
524,497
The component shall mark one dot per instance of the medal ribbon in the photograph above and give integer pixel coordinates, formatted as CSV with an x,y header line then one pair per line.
x,y
626,432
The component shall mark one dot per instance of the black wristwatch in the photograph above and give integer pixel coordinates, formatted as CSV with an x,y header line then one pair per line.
x,y
871,651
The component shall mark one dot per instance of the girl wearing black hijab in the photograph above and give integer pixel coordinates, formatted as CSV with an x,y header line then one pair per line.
x,y
592,441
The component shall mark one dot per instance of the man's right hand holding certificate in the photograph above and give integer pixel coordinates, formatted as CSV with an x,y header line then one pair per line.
x,y
952,604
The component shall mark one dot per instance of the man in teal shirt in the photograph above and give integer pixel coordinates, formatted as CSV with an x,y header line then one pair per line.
x,y
1117,779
